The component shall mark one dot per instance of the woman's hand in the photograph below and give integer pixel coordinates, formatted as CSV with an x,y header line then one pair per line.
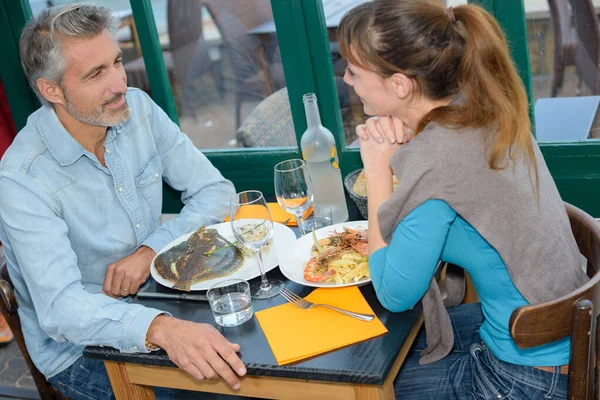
x,y
384,128
376,156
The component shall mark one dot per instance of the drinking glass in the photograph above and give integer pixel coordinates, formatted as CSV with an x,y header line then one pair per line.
x,y
294,188
230,302
320,217
253,228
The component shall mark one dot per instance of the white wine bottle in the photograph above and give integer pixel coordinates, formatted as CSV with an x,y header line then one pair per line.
x,y
319,152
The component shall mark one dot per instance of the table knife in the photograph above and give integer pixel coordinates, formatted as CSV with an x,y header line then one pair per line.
x,y
175,296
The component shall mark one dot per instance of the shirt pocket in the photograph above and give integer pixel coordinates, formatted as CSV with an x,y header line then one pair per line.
x,y
149,184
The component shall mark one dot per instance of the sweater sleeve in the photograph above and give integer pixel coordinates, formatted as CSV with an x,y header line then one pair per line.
x,y
401,271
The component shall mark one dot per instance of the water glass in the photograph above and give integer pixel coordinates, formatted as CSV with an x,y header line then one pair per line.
x,y
230,302
320,217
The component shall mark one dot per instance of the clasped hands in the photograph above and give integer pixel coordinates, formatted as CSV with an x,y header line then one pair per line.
x,y
380,137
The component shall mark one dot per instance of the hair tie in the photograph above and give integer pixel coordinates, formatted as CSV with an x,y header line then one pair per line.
x,y
451,16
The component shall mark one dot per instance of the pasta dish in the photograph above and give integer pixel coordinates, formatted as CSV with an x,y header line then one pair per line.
x,y
340,258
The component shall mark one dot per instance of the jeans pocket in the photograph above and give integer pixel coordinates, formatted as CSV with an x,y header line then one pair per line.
x,y
488,383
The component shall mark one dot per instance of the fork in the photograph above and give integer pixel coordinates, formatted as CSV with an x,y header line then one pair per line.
x,y
305,304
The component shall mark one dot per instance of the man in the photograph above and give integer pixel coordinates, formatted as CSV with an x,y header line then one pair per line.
x,y
80,204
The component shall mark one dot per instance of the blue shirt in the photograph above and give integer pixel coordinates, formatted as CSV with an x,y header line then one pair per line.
x,y
402,271
64,218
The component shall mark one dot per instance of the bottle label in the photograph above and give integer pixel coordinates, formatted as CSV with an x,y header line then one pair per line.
x,y
333,159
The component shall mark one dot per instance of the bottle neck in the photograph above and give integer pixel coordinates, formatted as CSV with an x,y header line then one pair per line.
x,y
313,119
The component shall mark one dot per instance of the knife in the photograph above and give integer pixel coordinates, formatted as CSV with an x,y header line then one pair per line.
x,y
176,296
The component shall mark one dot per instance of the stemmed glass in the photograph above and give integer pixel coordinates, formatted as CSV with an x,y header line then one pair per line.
x,y
252,226
293,188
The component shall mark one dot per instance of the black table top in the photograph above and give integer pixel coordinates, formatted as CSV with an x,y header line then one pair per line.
x,y
366,363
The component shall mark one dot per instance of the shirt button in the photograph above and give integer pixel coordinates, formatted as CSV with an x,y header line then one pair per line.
x,y
137,226
120,189
108,151
156,175
135,348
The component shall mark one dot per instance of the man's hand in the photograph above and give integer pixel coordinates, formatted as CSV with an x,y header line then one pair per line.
x,y
198,349
125,276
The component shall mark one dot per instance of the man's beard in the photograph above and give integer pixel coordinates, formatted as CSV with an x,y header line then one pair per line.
x,y
99,116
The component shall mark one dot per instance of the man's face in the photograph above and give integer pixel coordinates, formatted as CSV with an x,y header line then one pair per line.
x,y
94,83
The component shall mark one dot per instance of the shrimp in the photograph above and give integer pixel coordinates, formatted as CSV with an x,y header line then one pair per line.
x,y
315,272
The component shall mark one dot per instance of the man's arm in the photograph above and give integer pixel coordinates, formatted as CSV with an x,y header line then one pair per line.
x,y
205,193
65,310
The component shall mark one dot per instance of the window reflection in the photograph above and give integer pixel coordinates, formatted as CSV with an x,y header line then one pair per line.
x,y
219,69
564,41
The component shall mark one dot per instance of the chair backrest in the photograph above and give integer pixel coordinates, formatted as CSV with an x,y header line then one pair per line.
x,y
235,18
269,124
248,54
184,19
574,314
588,46
9,308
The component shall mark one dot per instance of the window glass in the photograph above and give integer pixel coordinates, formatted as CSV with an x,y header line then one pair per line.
x,y
564,40
222,59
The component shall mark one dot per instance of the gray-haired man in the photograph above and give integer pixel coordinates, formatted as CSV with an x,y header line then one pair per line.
x,y
80,207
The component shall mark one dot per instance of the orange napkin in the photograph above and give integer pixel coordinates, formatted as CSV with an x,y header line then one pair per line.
x,y
294,334
279,214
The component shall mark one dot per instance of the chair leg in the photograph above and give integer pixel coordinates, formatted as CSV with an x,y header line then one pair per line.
x,y
557,79
238,112
580,379
218,80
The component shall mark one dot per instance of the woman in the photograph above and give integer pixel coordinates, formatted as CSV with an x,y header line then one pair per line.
x,y
474,191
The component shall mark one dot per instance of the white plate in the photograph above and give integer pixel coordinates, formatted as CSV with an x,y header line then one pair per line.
x,y
283,238
293,261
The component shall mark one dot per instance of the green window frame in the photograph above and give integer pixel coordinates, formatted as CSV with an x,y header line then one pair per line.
x,y
303,41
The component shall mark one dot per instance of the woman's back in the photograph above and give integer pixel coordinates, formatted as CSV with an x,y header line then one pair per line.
x,y
530,230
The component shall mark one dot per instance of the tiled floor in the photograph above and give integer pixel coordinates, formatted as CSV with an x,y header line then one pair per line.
x,y
15,379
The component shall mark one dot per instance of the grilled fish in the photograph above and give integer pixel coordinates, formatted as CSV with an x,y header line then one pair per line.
x,y
186,263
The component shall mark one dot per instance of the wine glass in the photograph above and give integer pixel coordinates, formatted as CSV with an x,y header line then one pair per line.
x,y
293,188
252,226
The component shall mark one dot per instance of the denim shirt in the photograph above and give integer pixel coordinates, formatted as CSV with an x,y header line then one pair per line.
x,y
64,218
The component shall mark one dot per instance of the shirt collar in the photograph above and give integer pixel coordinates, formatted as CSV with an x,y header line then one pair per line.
x,y
61,144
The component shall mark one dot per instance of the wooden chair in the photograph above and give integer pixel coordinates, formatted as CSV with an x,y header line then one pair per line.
x,y
565,41
573,315
587,55
9,307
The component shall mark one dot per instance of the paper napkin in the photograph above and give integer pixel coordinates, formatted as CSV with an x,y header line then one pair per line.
x,y
294,334
278,214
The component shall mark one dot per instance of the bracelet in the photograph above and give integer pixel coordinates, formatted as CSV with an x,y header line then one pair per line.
x,y
150,346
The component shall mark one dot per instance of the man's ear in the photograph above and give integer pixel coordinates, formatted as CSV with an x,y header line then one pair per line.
x,y
402,85
51,91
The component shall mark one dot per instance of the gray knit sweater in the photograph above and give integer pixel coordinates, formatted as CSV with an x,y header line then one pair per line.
x,y
532,234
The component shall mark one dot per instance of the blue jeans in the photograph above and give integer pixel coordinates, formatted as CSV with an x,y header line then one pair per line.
x,y
87,380
471,371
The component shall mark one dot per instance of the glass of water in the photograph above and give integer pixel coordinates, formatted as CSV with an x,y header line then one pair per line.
x,y
230,302
320,217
